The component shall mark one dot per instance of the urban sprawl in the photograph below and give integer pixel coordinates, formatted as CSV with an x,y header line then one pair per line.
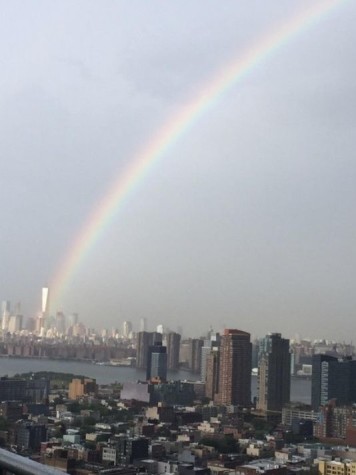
x,y
207,424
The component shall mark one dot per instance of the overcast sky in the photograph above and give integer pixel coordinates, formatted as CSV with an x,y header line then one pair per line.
x,y
249,219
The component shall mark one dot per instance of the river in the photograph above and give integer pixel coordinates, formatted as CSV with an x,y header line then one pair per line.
x,y
300,388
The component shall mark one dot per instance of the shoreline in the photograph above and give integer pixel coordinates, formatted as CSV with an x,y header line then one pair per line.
x,y
121,366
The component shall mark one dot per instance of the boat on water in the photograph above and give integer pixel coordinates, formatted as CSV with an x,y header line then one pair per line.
x,y
126,362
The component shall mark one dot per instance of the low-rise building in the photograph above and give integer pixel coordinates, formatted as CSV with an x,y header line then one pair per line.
x,y
79,387
262,466
29,436
298,411
336,467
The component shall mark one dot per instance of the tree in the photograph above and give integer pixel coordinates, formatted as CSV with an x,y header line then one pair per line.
x,y
225,445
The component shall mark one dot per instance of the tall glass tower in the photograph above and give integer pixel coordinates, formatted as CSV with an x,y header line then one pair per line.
x,y
273,373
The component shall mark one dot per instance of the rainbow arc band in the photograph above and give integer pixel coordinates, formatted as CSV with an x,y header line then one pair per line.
x,y
180,123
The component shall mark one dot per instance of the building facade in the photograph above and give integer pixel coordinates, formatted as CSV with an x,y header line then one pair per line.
x,y
157,362
173,346
333,378
144,341
79,387
235,368
212,373
273,373
195,346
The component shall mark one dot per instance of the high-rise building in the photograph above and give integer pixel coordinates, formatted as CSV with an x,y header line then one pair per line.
x,y
255,352
129,449
333,378
194,362
40,323
273,373
60,323
235,368
5,315
336,422
144,340
126,329
50,323
160,329
73,319
212,341
5,307
15,323
157,362
79,329
30,435
323,378
173,345
212,373
43,317
205,352
45,302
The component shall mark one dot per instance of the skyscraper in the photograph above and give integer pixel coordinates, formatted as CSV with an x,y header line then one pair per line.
x,y
160,328
235,368
45,302
5,307
333,378
324,370
5,315
273,373
212,373
126,329
60,323
43,317
157,362
212,341
173,346
144,340
195,346
15,323
73,319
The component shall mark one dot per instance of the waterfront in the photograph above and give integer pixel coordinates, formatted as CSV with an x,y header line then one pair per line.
x,y
300,388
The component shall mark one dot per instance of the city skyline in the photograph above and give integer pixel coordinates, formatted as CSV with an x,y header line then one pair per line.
x,y
124,327
248,220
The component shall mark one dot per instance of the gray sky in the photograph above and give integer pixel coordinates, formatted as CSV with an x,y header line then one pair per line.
x,y
248,221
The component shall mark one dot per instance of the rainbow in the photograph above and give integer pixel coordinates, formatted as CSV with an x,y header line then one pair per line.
x,y
126,183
